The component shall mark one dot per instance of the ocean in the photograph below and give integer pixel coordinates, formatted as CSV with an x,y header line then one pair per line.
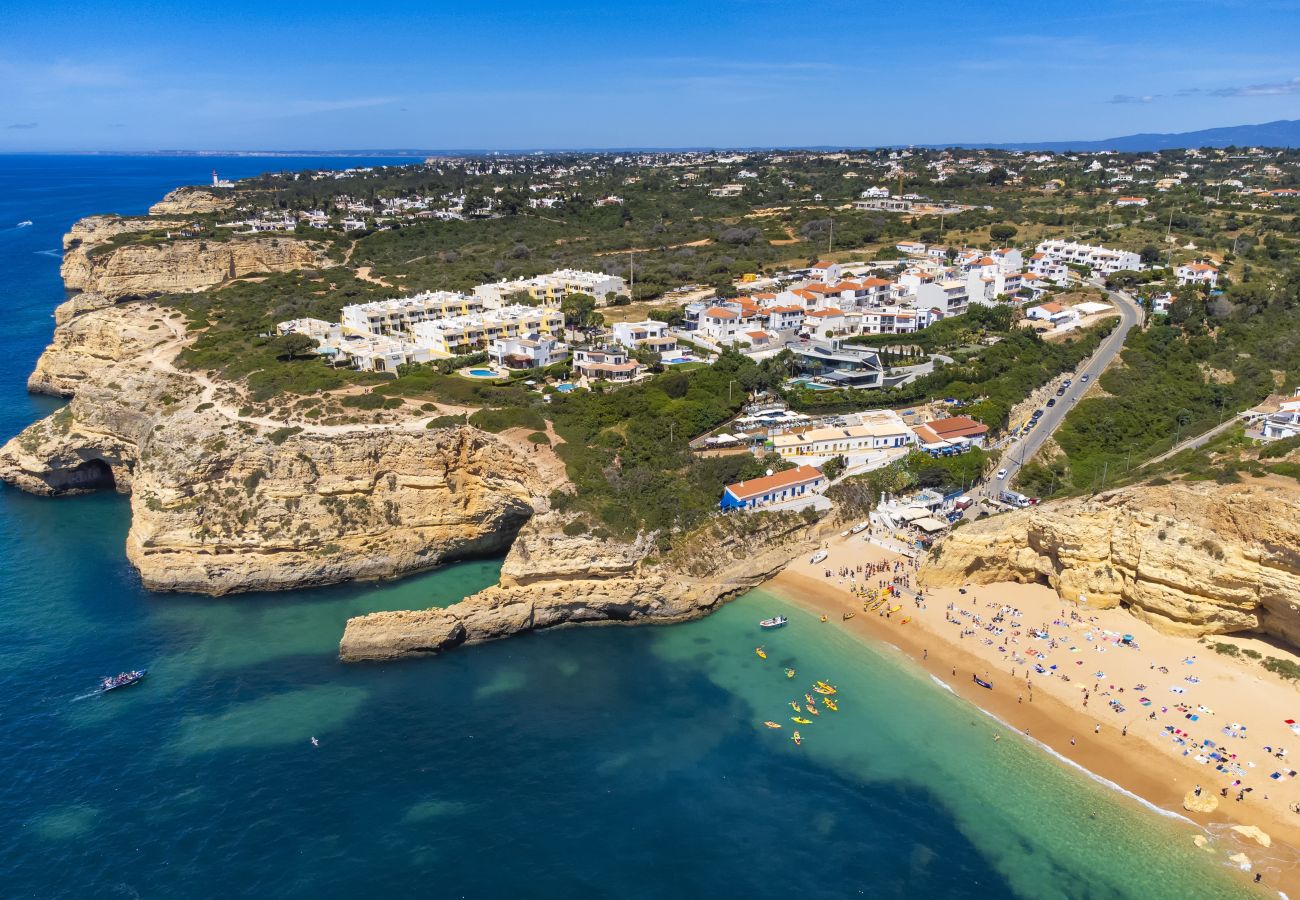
x,y
603,762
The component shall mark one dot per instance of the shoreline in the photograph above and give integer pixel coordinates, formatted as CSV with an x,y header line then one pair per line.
x,y
1132,764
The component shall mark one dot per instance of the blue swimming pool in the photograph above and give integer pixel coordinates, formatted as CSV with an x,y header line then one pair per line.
x,y
565,388
482,373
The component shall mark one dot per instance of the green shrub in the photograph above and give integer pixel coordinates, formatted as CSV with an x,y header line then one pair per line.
x,y
575,528
280,435
498,420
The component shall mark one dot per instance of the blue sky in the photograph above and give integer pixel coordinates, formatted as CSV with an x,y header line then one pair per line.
x,y
499,75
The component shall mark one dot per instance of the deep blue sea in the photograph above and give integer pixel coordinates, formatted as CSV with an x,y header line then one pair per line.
x,y
607,762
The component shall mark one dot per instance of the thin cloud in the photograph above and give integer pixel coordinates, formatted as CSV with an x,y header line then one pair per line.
x,y
1129,98
1267,89
21,125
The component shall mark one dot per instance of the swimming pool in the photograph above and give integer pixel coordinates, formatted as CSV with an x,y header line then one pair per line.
x,y
483,373
811,385
565,388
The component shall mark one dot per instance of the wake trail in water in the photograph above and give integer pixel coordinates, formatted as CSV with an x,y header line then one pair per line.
x,y
85,696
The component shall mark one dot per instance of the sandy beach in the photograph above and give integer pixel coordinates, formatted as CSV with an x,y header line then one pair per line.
x,y
1156,715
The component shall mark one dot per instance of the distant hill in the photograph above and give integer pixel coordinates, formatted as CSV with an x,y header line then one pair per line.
x,y
1282,133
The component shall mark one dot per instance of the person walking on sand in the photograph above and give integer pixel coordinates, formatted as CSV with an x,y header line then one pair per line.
x,y
1198,790
1096,729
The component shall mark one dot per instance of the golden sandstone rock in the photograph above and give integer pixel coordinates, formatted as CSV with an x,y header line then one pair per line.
x,y
1190,558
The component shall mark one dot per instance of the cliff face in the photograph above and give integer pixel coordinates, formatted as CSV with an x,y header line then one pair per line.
x,y
1190,558
217,505
550,580
93,333
181,266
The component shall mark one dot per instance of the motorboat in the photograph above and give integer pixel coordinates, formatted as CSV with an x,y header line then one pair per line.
x,y
25,223
774,622
125,679
819,556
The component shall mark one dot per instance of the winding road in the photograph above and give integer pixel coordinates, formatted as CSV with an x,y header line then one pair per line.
x,y
1130,314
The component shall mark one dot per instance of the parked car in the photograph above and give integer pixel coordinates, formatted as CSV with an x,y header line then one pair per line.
x,y
1002,473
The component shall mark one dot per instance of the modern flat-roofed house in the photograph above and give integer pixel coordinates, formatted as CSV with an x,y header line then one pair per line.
x,y
1131,201
912,248
648,335
1285,422
605,364
818,358
532,352
788,485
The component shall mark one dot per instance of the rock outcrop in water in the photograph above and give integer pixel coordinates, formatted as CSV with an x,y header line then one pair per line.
x,y
550,580
1191,558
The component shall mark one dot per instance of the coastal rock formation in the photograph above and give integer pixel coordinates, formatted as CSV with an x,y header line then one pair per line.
x,y
222,503
190,200
181,266
551,580
1190,558
218,505
93,333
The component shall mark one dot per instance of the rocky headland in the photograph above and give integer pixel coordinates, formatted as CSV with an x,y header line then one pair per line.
x,y
223,501
551,580
1191,558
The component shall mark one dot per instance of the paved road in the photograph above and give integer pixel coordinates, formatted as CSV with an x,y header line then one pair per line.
x,y
1023,449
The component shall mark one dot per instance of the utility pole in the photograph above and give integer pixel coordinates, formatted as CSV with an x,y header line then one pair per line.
x,y
830,244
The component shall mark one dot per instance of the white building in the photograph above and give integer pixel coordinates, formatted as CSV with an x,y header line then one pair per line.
x,y
647,335
876,430
532,352
1099,259
398,315
551,288
1198,273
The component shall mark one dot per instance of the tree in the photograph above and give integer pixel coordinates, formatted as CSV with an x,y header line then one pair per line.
x,y
579,311
291,346
1150,255
1002,233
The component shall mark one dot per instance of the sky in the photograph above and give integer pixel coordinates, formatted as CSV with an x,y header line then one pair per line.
x,y
326,75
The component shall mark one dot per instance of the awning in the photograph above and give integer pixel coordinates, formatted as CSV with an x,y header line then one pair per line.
x,y
930,524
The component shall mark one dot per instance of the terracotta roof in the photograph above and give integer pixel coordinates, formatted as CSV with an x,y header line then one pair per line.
x,y
754,487
1052,308
876,282
957,426
822,313
823,265
719,312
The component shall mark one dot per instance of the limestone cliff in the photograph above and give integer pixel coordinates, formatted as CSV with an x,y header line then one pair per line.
x,y
191,200
181,265
223,504
92,333
1190,557
219,506
551,580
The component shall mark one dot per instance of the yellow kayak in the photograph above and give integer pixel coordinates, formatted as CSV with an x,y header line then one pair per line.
x,y
906,619
801,720
824,688
789,673
896,607
762,654
830,704
795,706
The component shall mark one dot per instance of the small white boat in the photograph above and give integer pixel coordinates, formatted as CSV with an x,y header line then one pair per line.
x,y
775,622
858,528
819,556
25,223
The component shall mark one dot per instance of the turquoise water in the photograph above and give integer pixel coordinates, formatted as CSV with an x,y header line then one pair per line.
x,y
611,762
